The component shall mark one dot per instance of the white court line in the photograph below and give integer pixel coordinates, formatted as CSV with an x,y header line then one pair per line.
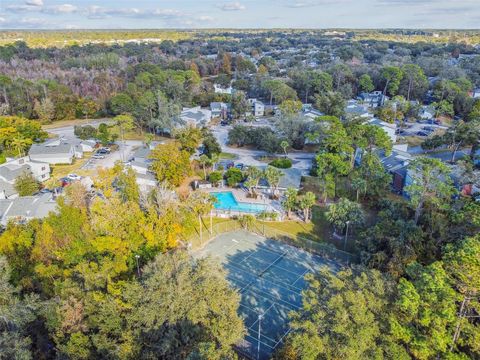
x,y
235,241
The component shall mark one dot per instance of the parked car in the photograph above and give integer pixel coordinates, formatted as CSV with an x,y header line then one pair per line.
x,y
422,133
98,156
428,128
74,177
65,182
239,166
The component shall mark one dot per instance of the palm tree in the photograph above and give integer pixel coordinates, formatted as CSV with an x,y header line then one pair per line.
x,y
20,144
290,201
204,160
273,176
284,145
254,175
306,202
200,203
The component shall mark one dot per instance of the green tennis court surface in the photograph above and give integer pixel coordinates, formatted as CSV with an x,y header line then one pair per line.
x,y
270,278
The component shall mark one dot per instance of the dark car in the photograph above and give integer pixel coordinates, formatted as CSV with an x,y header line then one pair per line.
x,y
239,166
422,134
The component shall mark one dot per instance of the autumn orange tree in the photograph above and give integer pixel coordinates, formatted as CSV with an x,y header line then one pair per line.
x,y
170,163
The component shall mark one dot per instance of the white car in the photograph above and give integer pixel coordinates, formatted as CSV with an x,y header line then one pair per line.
x,y
98,156
74,177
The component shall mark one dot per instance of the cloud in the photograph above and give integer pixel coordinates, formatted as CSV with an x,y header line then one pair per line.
x,y
60,9
23,23
99,12
232,6
34,2
311,3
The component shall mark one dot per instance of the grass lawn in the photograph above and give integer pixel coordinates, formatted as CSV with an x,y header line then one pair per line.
x,y
317,230
63,123
227,156
60,171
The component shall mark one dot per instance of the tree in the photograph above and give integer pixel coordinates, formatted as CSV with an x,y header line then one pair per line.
x,y
239,104
204,160
26,184
45,110
15,315
121,104
233,176
273,176
365,83
330,103
254,175
424,312
414,83
344,211
211,146
170,163
189,137
284,145
127,185
290,201
124,123
290,107
305,203
443,108
391,76
344,316
215,177
431,183
179,296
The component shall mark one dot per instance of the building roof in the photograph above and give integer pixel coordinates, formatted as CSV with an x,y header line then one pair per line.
x,y
63,148
142,152
11,171
7,188
27,207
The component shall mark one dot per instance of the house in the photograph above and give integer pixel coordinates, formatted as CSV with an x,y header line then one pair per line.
x,y
140,162
427,112
309,112
291,178
26,208
258,108
221,90
88,145
196,116
219,109
356,110
13,168
373,99
397,165
390,129
476,93
57,151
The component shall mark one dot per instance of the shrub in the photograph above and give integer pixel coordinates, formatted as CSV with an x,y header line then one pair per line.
x,y
283,163
234,176
215,177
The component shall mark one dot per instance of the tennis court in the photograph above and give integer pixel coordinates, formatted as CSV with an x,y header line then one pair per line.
x,y
270,278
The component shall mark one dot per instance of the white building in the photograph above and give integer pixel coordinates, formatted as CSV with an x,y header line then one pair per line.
x,y
13,168
258,107
221,90
57,151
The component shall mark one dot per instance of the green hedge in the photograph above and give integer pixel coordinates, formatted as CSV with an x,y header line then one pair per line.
x,y
283,163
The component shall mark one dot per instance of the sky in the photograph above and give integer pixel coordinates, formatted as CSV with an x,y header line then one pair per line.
x,y
151,14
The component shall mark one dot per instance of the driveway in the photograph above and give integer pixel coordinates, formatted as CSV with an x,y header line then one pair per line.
x,y
124,153
301,160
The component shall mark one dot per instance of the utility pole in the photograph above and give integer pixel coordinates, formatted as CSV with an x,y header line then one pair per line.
x,y
346,238
138,267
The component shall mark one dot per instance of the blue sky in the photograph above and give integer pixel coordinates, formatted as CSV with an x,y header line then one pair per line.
x,y
119,14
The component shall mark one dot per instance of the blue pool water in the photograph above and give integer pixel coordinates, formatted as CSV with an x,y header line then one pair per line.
x,y
226,201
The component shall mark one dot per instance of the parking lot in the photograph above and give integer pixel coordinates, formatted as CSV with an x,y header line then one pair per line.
x,y
124,153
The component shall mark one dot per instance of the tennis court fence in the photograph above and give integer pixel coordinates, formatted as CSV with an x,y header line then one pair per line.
x,y
325,250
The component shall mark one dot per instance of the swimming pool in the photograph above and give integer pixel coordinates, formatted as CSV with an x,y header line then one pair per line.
x,y
226,201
